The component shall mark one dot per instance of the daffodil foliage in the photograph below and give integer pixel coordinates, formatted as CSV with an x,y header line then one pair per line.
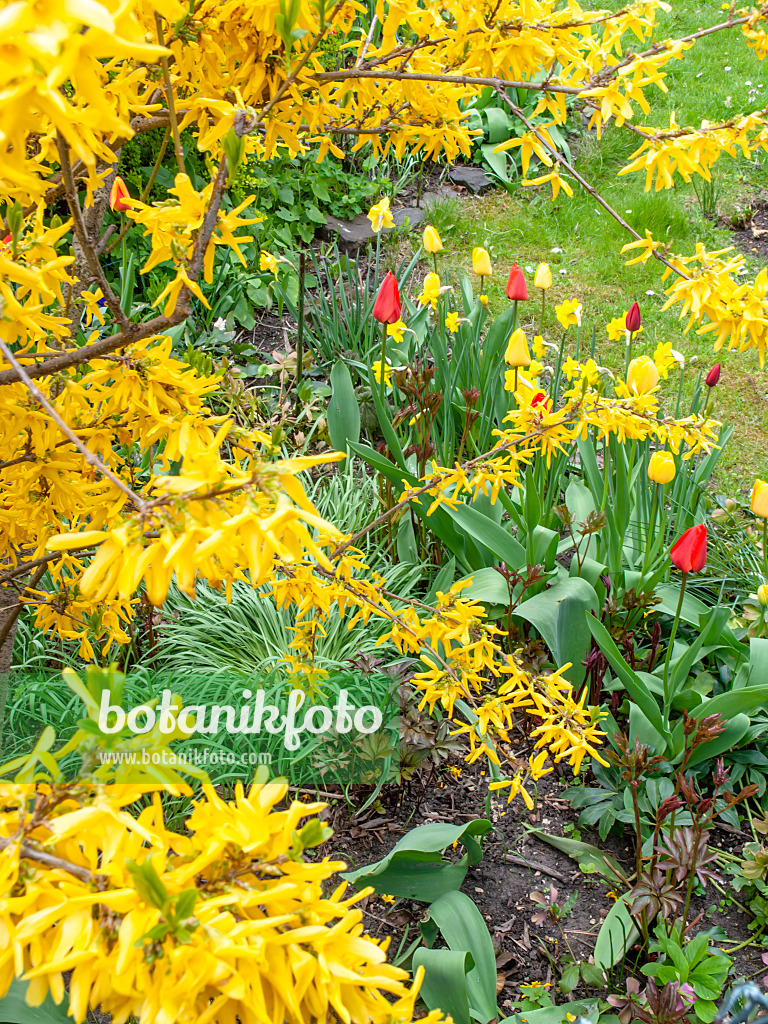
x,y
223,921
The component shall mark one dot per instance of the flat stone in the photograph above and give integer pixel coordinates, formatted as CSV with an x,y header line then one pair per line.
x,y
473,178
354,234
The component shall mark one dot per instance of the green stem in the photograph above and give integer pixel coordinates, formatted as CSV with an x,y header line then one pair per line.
x,y
667,696
629,355
651,524
765,544
514,317
434,263
383,362
543,300
300,334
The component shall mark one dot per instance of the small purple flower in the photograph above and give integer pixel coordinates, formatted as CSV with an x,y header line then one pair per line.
x,y
686,997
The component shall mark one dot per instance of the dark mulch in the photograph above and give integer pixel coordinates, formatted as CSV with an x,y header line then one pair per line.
x,y
502,889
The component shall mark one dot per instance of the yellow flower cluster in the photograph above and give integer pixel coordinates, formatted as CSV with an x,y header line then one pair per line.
x,y
711,291
221,921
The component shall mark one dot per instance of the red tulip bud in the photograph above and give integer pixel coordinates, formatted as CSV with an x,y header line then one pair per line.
x,y
386,308
633,318
713,376
516,286
119,196
689,553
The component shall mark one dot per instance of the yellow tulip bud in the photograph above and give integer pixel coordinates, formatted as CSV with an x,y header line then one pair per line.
x,y
543,278
661,468
759,502
762,594
431,240
517,353
483,300
642,376
481,262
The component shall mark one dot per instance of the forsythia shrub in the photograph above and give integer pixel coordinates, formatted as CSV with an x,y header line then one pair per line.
x,y
116,473
224,921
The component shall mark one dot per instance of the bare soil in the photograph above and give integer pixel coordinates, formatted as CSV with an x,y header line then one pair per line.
x,y
525,952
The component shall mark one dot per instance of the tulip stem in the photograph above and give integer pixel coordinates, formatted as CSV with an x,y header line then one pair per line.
x,y
651,523
434,263
629,353
543,301
516,369
673,634
383,362
765,544
514,316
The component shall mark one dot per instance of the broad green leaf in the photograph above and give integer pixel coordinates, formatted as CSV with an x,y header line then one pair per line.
x,y
560,614
414,868
589,858
445,980
463,929
617,933
641,729
490,535
633,685
488,586
343,411
14,1009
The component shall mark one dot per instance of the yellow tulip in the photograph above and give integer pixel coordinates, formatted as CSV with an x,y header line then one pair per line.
x,y
481,262
543,278
431,240
517,353
642,376
762,594
661,468
759,502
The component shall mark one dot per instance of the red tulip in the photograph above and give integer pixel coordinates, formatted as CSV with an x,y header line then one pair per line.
x,y
713,376
516,286
386,308
689,553
119,196
8,238
633,318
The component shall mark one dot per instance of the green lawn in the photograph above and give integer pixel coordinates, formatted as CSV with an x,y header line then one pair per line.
x,y
581,242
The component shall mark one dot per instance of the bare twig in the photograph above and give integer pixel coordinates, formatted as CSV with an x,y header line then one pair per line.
x,y
48,859
16,611
169,99
534,865
368,38
73,203
78,356
583,181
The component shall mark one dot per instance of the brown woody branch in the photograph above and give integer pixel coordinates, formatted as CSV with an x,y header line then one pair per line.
x,y
13,613
70,194
48,859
